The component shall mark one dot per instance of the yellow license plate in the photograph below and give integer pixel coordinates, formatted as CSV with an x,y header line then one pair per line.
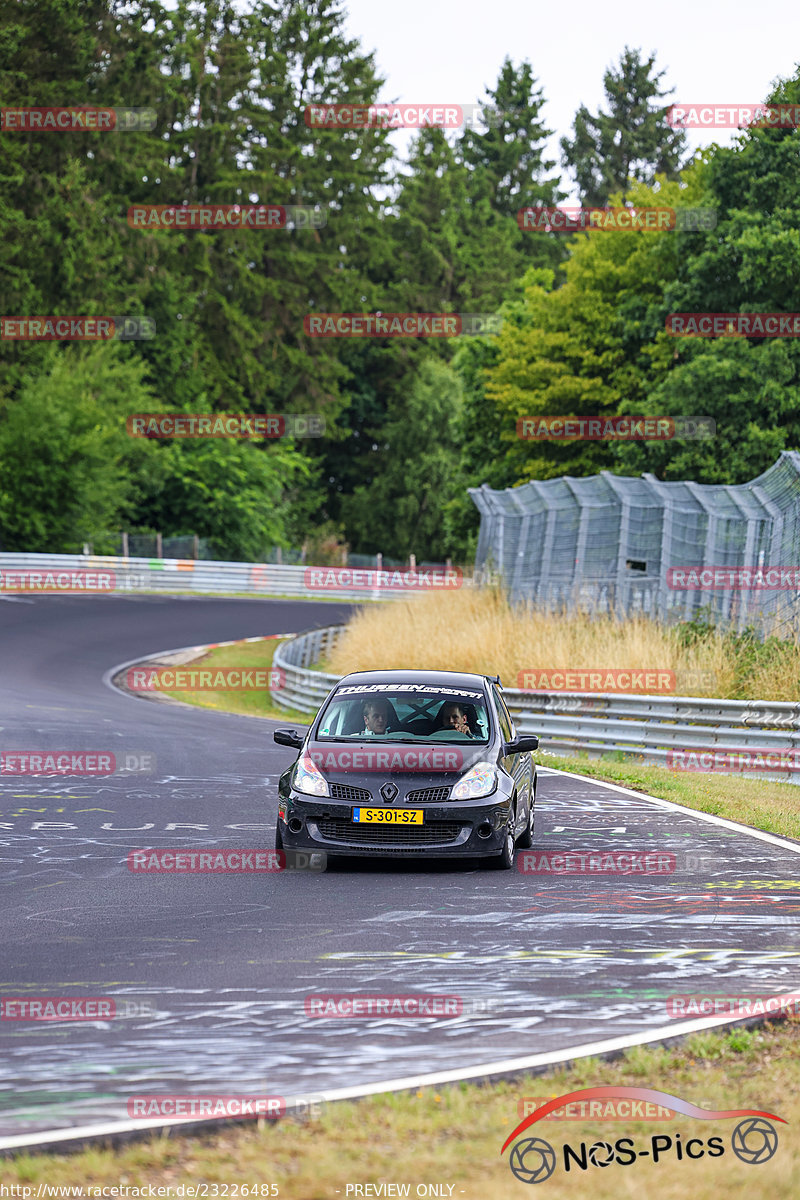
x,y
387,816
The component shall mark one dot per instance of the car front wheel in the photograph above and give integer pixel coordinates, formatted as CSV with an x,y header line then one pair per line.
x,y
504,861
526,837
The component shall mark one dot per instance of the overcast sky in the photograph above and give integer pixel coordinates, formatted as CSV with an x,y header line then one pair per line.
x,y
431,51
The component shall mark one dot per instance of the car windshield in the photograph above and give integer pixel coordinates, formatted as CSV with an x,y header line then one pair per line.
x,y
405,713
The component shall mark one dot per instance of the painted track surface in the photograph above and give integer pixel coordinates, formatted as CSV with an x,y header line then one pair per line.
x,y
227,961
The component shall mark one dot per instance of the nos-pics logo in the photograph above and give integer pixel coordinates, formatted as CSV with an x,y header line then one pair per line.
x,y
533,1160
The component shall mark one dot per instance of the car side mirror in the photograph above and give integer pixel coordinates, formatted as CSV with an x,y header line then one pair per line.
x,y
523,743
288,737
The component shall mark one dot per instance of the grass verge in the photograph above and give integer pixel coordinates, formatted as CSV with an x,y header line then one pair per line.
x,y
248,656
760,803
452,1136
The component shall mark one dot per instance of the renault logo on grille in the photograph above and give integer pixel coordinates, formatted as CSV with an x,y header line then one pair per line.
x,y
389,792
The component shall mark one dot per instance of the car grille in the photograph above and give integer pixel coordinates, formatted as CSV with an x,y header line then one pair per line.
x,y
382,835
428,795
344,791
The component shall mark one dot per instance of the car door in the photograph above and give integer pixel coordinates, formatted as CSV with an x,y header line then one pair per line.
x,y
517,765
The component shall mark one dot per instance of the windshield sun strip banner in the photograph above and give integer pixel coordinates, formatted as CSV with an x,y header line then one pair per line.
x,y
366,688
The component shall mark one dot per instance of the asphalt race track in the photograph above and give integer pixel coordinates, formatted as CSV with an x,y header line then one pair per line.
x,y
213,970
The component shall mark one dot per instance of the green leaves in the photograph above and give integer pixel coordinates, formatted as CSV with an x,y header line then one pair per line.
x,y
400,511
229,492
67,466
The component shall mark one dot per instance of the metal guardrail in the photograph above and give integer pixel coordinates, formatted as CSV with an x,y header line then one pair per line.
x,y
302,689
647,727
200,575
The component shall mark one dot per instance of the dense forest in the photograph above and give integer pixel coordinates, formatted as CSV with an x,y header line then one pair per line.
x,y
410,422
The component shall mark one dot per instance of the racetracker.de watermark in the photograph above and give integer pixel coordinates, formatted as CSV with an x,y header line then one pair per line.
x,y
343,1006
199,679
242,426
614,429
596,862
752,1004
390,758
585,700
597,1110
216,861
24,580
76,329
418,578
730,759
748,324
733,116
82,118
595,679
76,762
226,216
737,579
573,219
215,1105
389,116
74,1008
57,1008
397,324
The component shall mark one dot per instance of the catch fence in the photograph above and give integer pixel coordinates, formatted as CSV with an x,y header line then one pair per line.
x,y
613,543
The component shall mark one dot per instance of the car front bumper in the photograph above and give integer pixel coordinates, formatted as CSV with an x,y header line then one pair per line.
x,y
465,829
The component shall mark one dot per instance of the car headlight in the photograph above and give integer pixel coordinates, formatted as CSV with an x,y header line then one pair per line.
x,y
309,779
480,780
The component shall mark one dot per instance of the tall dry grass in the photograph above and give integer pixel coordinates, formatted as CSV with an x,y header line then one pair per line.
x,y
477,630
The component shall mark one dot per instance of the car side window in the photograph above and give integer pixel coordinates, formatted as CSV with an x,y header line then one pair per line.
x,y
509,718
506,727
332,722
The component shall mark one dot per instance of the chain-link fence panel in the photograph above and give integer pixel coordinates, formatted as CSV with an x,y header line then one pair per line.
x,y
673,550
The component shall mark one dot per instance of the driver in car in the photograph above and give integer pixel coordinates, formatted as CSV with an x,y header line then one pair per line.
x,y
376,715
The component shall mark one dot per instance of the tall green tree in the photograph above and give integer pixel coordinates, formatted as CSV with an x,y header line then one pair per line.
x,y
255,73
509,167
750,387
511,149
441,250
58,249
429,229
594,347
632,140
401,511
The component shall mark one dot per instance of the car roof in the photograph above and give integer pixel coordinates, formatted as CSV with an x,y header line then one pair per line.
x,y
451,679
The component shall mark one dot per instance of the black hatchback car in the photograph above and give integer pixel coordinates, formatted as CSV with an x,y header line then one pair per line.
x,y
410,762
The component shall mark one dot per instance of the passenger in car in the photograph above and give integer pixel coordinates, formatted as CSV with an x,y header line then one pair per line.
x,y
454,716
375,711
